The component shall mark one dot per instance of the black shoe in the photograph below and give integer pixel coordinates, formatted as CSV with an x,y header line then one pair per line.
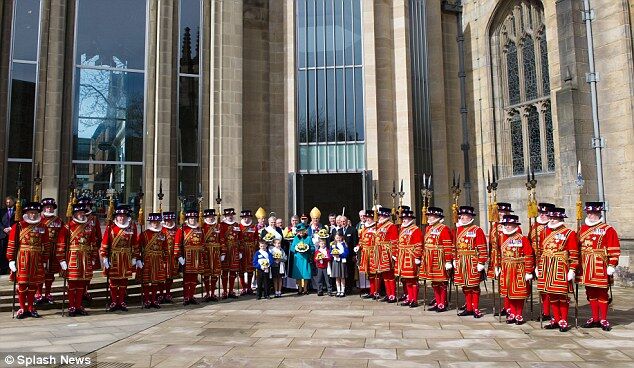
x,y
123,307
564,328
385,299
259,297
392,300
443,309
185,302
478,314
213,298
510,321
72,312
34,314
367,296
147,305
543,317
591,324
605,325
432,303
551,326
463,307
21,314
413,305
233,296
402,298
433,309
406,303
113,307
320,293
194,301
519,322
465,313
156,306
82,312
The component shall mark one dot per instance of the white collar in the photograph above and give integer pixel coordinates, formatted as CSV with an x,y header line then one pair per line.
x,y
124,225
406,224
192,226
467,224
80,221
229,223
555,226
509,232
48,214
169,227
541,222
593,223
209,222
439,221
245,224
31,222
155,229
369,225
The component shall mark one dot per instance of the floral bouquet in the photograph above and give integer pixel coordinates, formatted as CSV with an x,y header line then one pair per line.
x,y
264,263
302,247
288,234
277,254
268,237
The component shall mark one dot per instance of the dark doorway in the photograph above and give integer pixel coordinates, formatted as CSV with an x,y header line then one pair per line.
x,y
330,193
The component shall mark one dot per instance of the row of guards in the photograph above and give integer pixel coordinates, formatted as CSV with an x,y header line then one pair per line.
x,y
392,252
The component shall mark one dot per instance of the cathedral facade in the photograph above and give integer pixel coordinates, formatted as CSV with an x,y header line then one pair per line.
x,y
290,104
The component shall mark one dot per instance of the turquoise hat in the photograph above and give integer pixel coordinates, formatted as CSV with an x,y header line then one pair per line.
x,y
300,227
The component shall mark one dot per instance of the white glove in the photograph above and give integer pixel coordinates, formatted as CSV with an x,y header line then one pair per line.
x,y
537,272
343,260
139,264
448,266
44,265
394,258
93,263
498,270
528,276
611,270
181,260
417,261
222,258
356,249
12,266
571,275
453,263
337,259
240,254
480,267
106,264
133,260
63,265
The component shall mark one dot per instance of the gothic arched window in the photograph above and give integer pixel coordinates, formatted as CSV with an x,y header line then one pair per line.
x,y
522,90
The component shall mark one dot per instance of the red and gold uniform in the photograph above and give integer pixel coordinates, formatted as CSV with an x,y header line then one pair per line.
x,y
77,252
154,251
438,255
366,248
119,247
536,238
172,233
557,264
516,270
27,254
212,247
249,236
600,251
471,256
96,225
191,250
53,226
230,252
408,254
385,242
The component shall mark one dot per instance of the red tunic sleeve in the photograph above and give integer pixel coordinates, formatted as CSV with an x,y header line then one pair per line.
x,y
60,250
572,246
447,244
417,240
613,246
529,260
11,248
481,245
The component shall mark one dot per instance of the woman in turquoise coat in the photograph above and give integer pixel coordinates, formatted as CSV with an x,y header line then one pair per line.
x,y
302,249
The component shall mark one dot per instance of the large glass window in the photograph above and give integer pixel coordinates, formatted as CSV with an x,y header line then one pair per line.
x,y
109,97
520,57
189,96
22,94
330,118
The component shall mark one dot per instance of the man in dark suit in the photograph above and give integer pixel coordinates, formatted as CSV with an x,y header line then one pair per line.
x,y
7,219
351,238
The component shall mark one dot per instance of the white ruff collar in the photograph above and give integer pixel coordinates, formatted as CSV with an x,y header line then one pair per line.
x,y
192,226
80,221
509,232
229,223
439,221
541,222
48,214
593,223
124,225
370,224
464,224
155,229
555,226
30,222
245,224
169,227
209,222
406,224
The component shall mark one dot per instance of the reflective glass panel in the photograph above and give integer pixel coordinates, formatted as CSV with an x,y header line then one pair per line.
x,y
512,74
26,26
188,100
13,168
111,33
517,145
534,140
22,113
550,142
189,37
544,57
530,73
108,115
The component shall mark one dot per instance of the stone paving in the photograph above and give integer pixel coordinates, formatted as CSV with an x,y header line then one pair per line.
x,y
312,331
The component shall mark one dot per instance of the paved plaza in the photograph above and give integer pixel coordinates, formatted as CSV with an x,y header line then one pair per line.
x,y
313,331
